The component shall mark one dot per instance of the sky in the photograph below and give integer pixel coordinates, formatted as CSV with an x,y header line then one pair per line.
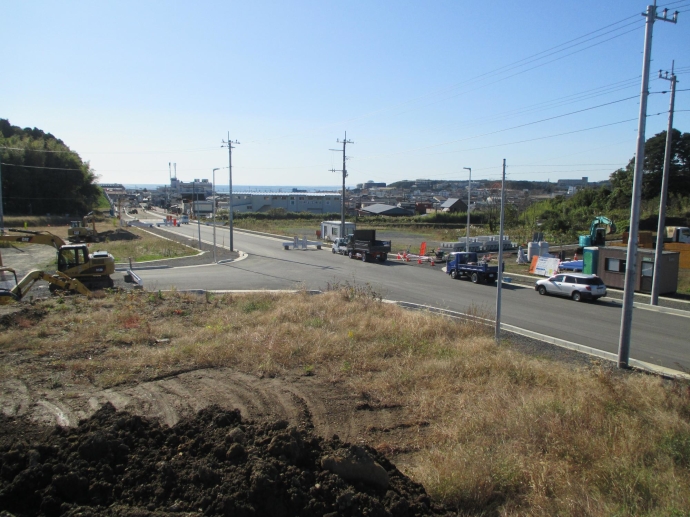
x,y
423,89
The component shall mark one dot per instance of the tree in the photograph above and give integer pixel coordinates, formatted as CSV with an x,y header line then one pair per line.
x,y
655,148
42,175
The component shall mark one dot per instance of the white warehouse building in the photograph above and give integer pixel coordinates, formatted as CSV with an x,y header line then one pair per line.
x,y
314,202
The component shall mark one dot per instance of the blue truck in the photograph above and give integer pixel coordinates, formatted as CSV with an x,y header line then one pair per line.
x,y
464,264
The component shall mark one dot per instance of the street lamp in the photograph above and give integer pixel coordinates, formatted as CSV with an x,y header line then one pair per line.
x,y
214,213
469,193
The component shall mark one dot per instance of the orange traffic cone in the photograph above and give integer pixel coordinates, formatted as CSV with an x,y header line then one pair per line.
x,y
407,258
432,263
399,257
575,257
419,261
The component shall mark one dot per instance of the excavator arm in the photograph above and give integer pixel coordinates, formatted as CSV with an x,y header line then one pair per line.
x,y
31,237
601,221
56,281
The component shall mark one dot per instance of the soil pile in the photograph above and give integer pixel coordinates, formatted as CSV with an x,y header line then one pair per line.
x,y
115,463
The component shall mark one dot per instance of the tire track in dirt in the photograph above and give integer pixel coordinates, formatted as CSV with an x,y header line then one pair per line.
x,y
304,401
14,397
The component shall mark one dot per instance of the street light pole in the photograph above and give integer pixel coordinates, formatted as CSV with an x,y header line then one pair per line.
x,y
214,213
469,191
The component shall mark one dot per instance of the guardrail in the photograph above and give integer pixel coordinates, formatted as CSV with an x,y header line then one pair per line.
x,y
133,278
302,243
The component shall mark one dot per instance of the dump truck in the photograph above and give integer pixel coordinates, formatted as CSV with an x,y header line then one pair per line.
x,y
677,234
468,265
363,244
79,231
74,260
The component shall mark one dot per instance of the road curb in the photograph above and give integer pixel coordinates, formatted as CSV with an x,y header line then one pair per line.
x,y
634,363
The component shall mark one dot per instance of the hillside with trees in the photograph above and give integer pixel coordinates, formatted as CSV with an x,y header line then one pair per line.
x,y
568,216
40,174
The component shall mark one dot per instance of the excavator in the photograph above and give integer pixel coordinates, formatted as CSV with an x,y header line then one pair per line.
x,y
18,289
92,270
79,231
600,227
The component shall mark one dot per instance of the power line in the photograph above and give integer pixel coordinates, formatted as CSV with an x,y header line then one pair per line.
x,y
39,167
502,130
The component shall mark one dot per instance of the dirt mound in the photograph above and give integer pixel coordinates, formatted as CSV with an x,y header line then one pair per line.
x,y
117,235
115,463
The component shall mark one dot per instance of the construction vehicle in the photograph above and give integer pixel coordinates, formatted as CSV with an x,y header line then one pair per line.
x,y
74,261
677,234
57,281
598,230
468,265
79,231
363,244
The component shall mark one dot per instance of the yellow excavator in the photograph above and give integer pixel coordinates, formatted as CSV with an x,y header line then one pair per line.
x,y
74,261
16,290
79,231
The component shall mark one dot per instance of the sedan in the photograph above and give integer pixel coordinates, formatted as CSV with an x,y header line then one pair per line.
x,y
577,286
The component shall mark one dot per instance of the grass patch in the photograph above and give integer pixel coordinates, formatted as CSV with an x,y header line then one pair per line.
x,y
505,433
128,242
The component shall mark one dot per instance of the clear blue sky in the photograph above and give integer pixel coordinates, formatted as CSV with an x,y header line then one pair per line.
x,y
418,86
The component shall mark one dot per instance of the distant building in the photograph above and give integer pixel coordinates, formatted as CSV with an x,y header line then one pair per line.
x,y
381,209
313,202
371,184
454,204
573,183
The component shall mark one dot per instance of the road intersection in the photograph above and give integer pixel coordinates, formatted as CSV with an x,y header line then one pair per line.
x,y
659,337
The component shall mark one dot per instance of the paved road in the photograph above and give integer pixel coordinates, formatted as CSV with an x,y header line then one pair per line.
x,y
658,338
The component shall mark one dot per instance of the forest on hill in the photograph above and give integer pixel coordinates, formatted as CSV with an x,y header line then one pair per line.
x,y
41,175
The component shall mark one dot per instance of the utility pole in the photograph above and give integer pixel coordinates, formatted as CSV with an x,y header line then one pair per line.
x,y
228,144
469,190
195,210
500,256
2,213
631,256
167,188
214,213
664,191
344,171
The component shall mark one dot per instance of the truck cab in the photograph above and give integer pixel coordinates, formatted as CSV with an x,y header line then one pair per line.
x,y
677,234
340,246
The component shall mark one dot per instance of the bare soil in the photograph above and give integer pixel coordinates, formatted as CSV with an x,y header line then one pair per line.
x,y
215,463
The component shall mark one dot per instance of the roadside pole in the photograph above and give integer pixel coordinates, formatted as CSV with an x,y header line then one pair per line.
x,y
214,214
229,143
469,191
344,171
2,213
631,255
500,256
664,193
195,208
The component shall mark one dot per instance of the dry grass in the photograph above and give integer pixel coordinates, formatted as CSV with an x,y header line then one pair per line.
x,y
508,434
130,242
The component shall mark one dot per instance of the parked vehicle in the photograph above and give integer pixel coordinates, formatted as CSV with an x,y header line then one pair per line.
x,y
363,244
339,246
677,234
578,286
468,265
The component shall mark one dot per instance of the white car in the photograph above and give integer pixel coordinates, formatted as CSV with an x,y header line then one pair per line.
x,y
578,286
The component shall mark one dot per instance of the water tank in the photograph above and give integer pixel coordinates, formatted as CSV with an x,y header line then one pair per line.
x,y
543,248
532,250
